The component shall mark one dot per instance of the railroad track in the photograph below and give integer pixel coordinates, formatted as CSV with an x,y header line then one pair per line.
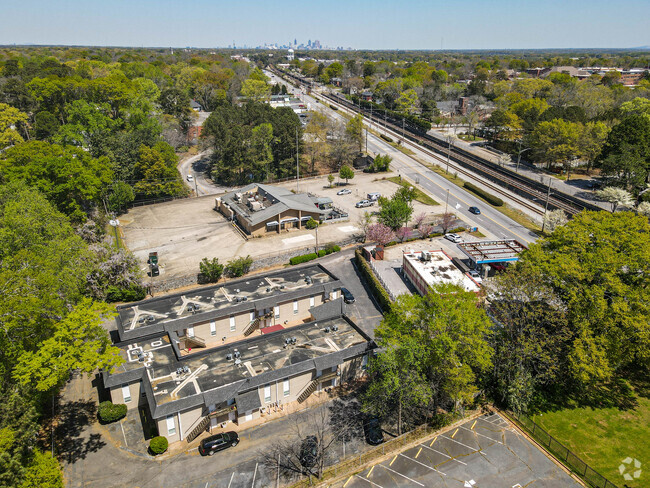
x,y
495,177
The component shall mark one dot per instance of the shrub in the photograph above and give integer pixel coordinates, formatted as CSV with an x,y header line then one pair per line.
x,y
238,267
491,199
386,138
379,292
330,248
210,270
130,294
109,412
303,258
158,445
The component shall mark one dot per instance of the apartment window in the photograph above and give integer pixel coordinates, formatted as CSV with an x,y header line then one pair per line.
x,y
267,394
285,388
334,295
232,323
190,332
213,329
126,393
312,301
276,312
295,307
171,425
252,316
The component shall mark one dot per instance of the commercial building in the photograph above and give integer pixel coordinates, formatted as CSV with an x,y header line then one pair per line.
x,y
259,209
486,252
425,269
229,353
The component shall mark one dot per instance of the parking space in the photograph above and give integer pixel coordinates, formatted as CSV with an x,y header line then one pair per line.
x,y
482,453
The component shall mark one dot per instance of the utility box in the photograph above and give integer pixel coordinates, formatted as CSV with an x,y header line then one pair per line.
x,y
153,258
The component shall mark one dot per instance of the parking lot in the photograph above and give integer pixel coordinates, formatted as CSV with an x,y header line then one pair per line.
x,y
483,453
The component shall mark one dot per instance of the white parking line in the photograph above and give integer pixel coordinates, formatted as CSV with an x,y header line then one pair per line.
x,y
400,474
254,475
366,479
231,477
446,455
464,445
473,431
422,464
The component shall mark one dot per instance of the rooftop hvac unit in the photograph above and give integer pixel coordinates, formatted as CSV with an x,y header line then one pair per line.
x,y
237,354
179,371
327,329
150,318
237,362
293,340
186,369
228,357
335,328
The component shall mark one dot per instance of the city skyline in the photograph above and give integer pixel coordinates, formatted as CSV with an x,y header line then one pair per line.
x,y
379,25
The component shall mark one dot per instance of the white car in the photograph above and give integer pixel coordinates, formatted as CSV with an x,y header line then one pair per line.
x,y
476,276
190,178
345,191
364,203
455,238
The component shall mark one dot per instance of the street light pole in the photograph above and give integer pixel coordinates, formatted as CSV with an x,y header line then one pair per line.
x,y
447,201
297,164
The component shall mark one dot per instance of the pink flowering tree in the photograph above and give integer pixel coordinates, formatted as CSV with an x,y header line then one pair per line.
x,y
380,233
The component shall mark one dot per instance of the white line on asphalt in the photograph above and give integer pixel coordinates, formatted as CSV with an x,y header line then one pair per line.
x,y
416,461
366,479
465,445
254,475
493,440
206,484
231,477
446,455
122,427
400,474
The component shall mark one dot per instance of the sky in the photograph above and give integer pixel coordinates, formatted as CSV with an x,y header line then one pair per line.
x,y
360,24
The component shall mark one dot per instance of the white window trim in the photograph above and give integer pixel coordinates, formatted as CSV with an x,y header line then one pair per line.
x,y
267,397
286,388
295,307
171,425
213,329
312,301
276,311
190,332
126,394
233,326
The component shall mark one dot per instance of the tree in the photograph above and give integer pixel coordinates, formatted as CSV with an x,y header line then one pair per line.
x,y
408,101
380,233
120,197
330,179
365,221
262,141
156,169
316,134
643,209
557,141
346,173
311,224
616,196
354,131
210,270
69,177
446,220
380,164
554,219
396,211
238,267
79,342
256,90
45,125
10,119
43,471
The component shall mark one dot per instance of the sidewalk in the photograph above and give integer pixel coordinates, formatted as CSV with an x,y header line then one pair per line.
x,y
577,186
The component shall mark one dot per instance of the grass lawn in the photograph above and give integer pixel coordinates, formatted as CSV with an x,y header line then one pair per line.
x,y
604,437
420,196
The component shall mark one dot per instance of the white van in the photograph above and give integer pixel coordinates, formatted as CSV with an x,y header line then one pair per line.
x,y
373,197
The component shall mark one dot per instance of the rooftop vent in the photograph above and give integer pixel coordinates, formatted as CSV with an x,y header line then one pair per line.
x,y
228,357
293,340
237,362
186,369
179,371
151,318
237,354
141,320
327,329
335,328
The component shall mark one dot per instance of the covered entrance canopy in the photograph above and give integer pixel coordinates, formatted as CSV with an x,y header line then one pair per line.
x,y
485,252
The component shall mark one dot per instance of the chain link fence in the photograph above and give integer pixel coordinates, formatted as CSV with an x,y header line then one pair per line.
x,y
563,454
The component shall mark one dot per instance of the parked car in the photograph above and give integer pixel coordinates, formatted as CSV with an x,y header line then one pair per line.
x,y
364,203
344,191
374,196
219,442
475,210
498,266
309,452
476,276
190,178
347,296
372,430
454,238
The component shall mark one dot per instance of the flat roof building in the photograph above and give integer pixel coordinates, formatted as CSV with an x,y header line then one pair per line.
x,y
485,252
231,353
426,269
259,208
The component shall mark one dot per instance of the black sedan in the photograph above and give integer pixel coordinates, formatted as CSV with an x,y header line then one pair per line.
x,y
373,432
347,296
475,210
219,442
309,452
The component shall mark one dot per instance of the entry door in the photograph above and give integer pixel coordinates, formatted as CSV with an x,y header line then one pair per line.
x,y
213,420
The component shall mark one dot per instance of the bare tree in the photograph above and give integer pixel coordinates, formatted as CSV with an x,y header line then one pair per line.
x,y
364,222
446,220
425,230
419,219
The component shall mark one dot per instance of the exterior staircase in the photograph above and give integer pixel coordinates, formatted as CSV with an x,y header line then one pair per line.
x,y
307,391
250,328
191,341
202,426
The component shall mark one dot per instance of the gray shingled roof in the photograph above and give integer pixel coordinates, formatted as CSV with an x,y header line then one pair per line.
x,y
248,401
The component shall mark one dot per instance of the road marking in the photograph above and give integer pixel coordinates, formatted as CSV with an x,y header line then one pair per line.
x,y
391,463
346,483
365,479
472,427
254,475
446,455
434,440
416,456
370,472
465,445
231,477
206,484
400,474
493,440
122,427
422,464
454,434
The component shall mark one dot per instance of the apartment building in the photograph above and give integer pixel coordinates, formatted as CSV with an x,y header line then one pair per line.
x,y
229,353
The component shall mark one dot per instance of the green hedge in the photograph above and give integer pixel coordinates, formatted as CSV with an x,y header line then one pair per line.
x,y
132,294
386,138
491,199
109,412
376,287
303,258
158,445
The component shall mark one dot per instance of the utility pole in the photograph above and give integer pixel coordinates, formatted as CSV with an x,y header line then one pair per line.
x,y
548,196
403,121
448,152
196,188
366,140
447,201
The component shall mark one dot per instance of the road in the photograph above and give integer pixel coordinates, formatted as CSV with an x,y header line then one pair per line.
x,y
438,187
196,166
